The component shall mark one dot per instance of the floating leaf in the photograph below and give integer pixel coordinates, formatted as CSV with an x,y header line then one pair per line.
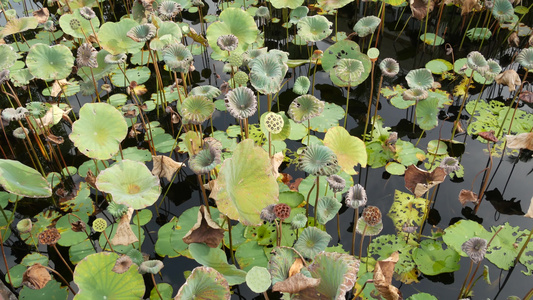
x,y
432,39
314,28
407,209
366,25
327,209
216,259
478,34
258,279
204,283
249,254
312,241
432,259
247,174
439,66
22,180
50,62
113,37
77,26
345,49
350,150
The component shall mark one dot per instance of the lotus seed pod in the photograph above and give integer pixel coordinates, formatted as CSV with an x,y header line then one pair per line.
x,y
241,78
372,215
24,226
235,59
268,214
336,183
475,248
282,211
49,236
274,123
99,225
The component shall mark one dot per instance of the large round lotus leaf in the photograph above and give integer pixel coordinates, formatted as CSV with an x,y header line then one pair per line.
x,y
130,183
99,130
204,283
216,259
314,29
50,62
327,208
19,25
52,290
246,175
96,280
312,241
169,28
113,37
77,26
258,279
427,112
22,180
432,259
345,49
233,21
292,4
329,5
267,73
350,150
138,74
439,66
102,70
8,57
366,25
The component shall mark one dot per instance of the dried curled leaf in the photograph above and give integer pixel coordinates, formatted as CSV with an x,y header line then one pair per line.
x,y
419,181
297,265
383,278
529,213
295,283
36,277
509,78
520,141
124,235
419,8
165,166
466,196
205,230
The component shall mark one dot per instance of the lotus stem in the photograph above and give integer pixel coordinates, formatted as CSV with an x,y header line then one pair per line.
x,y
420,137
95,86
7,140
475,104
63,259
480,196
510,106
462,106
362,240
316,199
441,9
155,286
407,22
230,240
184,82
269,144
206,200
466,278
377,106
269,102
307,202
108,242
313,85
4,257
464,35
347,103
309,131
514,28
354,232
266,296
370,100
245,127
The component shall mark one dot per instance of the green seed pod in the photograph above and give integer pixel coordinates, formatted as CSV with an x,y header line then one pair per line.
x,y
274,123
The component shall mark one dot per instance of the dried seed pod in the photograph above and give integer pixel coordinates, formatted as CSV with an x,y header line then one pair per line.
x,y
372,215
282,211
49,236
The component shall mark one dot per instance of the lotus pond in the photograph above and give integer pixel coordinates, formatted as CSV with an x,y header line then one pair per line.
x,y
286,149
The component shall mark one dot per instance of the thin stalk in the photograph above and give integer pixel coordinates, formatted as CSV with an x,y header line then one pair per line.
x,y
155,287
62,279
362,240
61,256
377,106
354,232
230,240
462,106
347,103
467,27
206,200
108,242
4,257
466,278
370,100
480,196
307,202
511,105
316,198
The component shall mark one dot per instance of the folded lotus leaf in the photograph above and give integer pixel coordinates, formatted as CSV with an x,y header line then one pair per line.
x,y
419,181
205,230
295,283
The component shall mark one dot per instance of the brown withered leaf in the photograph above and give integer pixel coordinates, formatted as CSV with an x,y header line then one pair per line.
x,y
513,40
124,235
276,160
165,166
529,213
297,265
36,277
419,8
78,226
205,230
383,278
520,141
466,196
294,186
526,96
295,284
41,15
419,181
58,140
135,130
468,6
489,136
509,78
286,178
90,179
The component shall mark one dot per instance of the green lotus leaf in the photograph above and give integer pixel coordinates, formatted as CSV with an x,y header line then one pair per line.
x,y
419,79
266,234
186,222
70,237
366,25
502,11
82,202
44,221
232,21
427,112
349,70
8,56
208,91
383,246
250,254
318,160
432,259
77,26
292,4
196,109
34,258
345,49
137,74
258,279
312,241
95,278
101,71
130,183
350,150
298,13
16,272
113,37
432,39
22,180
163,246
331,5
205,160
177,57
328,118
241,103
99,130
50,62
52,290
327,208
525,58
204,283
337,273
314,29
406,209
216,259
21,77
422,296
267,73
301,85
19,25
439,66
142,33
246,175
478,34
305,107
280,263
437,147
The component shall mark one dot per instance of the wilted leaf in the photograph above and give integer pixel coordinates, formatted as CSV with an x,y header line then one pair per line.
x,y
124,235
520,141
383,278
466,196
419,181
165,166
36,277
529,213
295,283
205,230
509,78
